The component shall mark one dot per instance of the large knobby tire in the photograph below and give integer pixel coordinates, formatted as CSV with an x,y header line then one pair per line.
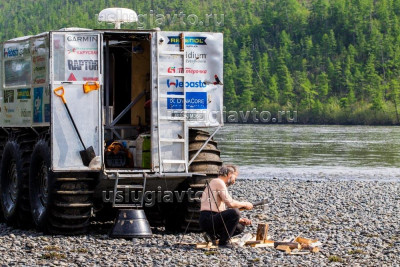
x,y
13,180
208,162
2,144
60,205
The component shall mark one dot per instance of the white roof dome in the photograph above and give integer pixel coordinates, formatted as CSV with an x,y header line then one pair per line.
x,y
117,16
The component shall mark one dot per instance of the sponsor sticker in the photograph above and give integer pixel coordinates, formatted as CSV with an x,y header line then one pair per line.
x,y
189,84
81,57
39,69
24,93
83,51
83,64
188,40
193,57
187,70
190,116
82,39
8,96
25,113
9,110
47,112
12,50
38,104
194,100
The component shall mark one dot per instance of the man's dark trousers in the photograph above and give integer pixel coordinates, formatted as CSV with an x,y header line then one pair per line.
x,y
230,217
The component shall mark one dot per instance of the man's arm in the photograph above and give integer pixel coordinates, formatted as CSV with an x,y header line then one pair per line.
x,y
228,200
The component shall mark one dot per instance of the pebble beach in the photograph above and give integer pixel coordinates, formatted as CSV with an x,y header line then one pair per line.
x,y
358,223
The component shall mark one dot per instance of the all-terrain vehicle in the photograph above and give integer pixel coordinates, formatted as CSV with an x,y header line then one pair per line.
x,y
90,118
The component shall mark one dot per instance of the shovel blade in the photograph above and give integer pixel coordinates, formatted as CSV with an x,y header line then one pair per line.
x,y
87,155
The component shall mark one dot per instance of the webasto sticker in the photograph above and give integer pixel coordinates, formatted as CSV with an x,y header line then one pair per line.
x,y
178,84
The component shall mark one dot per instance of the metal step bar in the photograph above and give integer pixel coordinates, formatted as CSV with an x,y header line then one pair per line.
x,y
139,188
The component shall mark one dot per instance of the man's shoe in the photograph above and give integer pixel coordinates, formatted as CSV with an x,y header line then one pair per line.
x,y
210,238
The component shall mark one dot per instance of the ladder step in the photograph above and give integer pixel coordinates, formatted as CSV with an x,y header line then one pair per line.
x,y
172,118
172,96
130,186
172,74
173,161
123,176
172,53
127,206
172,140
141,188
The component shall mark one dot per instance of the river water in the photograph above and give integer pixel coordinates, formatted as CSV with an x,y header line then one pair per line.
x,y
312,151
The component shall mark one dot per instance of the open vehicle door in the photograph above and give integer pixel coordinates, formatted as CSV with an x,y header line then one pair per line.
x,y
76,71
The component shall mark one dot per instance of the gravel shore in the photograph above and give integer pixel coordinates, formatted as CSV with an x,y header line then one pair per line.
x,y
358,223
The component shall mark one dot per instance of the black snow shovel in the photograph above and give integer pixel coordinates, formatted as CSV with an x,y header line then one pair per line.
x,y
88,153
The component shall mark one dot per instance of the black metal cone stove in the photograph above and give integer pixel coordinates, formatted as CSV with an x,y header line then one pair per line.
x,y
131,223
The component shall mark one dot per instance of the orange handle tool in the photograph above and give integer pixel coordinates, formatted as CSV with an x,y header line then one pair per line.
x,y
90,86
59,91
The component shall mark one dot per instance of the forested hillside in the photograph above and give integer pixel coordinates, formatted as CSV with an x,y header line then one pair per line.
x,y
334,61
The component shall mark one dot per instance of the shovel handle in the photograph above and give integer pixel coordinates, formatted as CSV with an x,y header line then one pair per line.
x,y
59,91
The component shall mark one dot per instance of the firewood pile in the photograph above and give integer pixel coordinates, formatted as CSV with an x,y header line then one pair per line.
x,y
294,246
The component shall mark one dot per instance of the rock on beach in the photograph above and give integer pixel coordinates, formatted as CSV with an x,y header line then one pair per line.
x,y
358,223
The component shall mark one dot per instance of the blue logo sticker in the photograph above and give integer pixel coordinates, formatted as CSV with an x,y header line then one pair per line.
x,y
194,100
37,104
190,84
24,93
46,112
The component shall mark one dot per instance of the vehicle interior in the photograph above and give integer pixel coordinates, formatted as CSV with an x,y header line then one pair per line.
x,y
127,105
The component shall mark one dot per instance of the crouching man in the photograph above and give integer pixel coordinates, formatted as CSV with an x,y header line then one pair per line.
x,y
215,219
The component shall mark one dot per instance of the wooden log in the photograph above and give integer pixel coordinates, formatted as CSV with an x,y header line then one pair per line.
x,y
251,242
266,243
262,232
204,245
291,245
310,248
269,242
305,240
284,248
